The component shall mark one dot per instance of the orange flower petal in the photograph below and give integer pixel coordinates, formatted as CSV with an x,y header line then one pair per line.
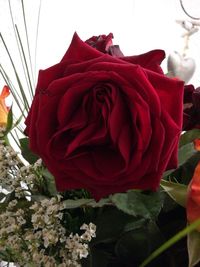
x,y
3,108
5,92
197,144
193,200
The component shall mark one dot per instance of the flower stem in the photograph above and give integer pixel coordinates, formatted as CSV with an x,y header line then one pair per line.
x,y
171,242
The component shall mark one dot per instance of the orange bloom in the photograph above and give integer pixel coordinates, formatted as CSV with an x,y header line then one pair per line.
x,y
3,108
197,144
193,200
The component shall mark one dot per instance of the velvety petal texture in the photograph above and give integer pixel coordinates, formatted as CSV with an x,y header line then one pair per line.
x,y
106,123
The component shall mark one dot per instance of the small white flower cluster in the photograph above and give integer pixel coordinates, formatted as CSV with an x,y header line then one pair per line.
x,y
25,178
35,234
11,228
47,242
15,176
76,244
46,218
8,166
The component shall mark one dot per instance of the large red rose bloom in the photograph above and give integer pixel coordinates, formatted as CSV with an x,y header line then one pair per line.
x,y
104,123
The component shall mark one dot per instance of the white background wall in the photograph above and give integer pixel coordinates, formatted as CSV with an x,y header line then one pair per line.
x,y
137,25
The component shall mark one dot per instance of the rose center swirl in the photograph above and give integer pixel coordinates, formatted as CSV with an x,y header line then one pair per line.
x,y
101,92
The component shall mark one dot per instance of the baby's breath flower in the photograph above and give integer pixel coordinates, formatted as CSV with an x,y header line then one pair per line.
x,y
12,204
31,238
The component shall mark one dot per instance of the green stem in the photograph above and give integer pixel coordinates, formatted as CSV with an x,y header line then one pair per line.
x,y
25,62
27,39
14,92
36,39
26,105
18,46
171,242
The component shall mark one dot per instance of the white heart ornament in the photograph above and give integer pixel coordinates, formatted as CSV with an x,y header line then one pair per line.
x,y
180,66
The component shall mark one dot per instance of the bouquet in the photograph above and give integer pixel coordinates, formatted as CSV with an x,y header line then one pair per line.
x,y
105,171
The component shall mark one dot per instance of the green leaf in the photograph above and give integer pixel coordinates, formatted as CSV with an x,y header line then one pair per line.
x,y
73,204
134,246
26,152
139,204
111,223
184,173
193,243
167,173
9,124
17,122
185,152
50,182
83,202
178,192
189,136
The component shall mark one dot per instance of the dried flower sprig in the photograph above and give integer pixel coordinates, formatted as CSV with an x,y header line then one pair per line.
x,y
32,228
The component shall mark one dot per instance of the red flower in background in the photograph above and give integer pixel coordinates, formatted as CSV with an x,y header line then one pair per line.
x,y
191,115
106,123
193,199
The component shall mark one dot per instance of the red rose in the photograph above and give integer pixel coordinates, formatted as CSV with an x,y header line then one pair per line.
x,y
104,123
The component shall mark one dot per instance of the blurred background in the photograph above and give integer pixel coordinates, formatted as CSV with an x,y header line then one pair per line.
x,y
138,26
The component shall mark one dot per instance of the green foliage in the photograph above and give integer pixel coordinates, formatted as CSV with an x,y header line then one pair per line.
x,y
9,124
136,245
49,182
171,242
188,137
193,248
185,152
138,204
111,223
26,152
178,192
85,202
122,239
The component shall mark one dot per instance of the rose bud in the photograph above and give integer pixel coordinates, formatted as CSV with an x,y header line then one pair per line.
x,y
3,108
104,123
101,42
104,44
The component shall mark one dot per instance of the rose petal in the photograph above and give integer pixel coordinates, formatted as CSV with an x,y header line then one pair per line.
x,y
79,50
150,60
